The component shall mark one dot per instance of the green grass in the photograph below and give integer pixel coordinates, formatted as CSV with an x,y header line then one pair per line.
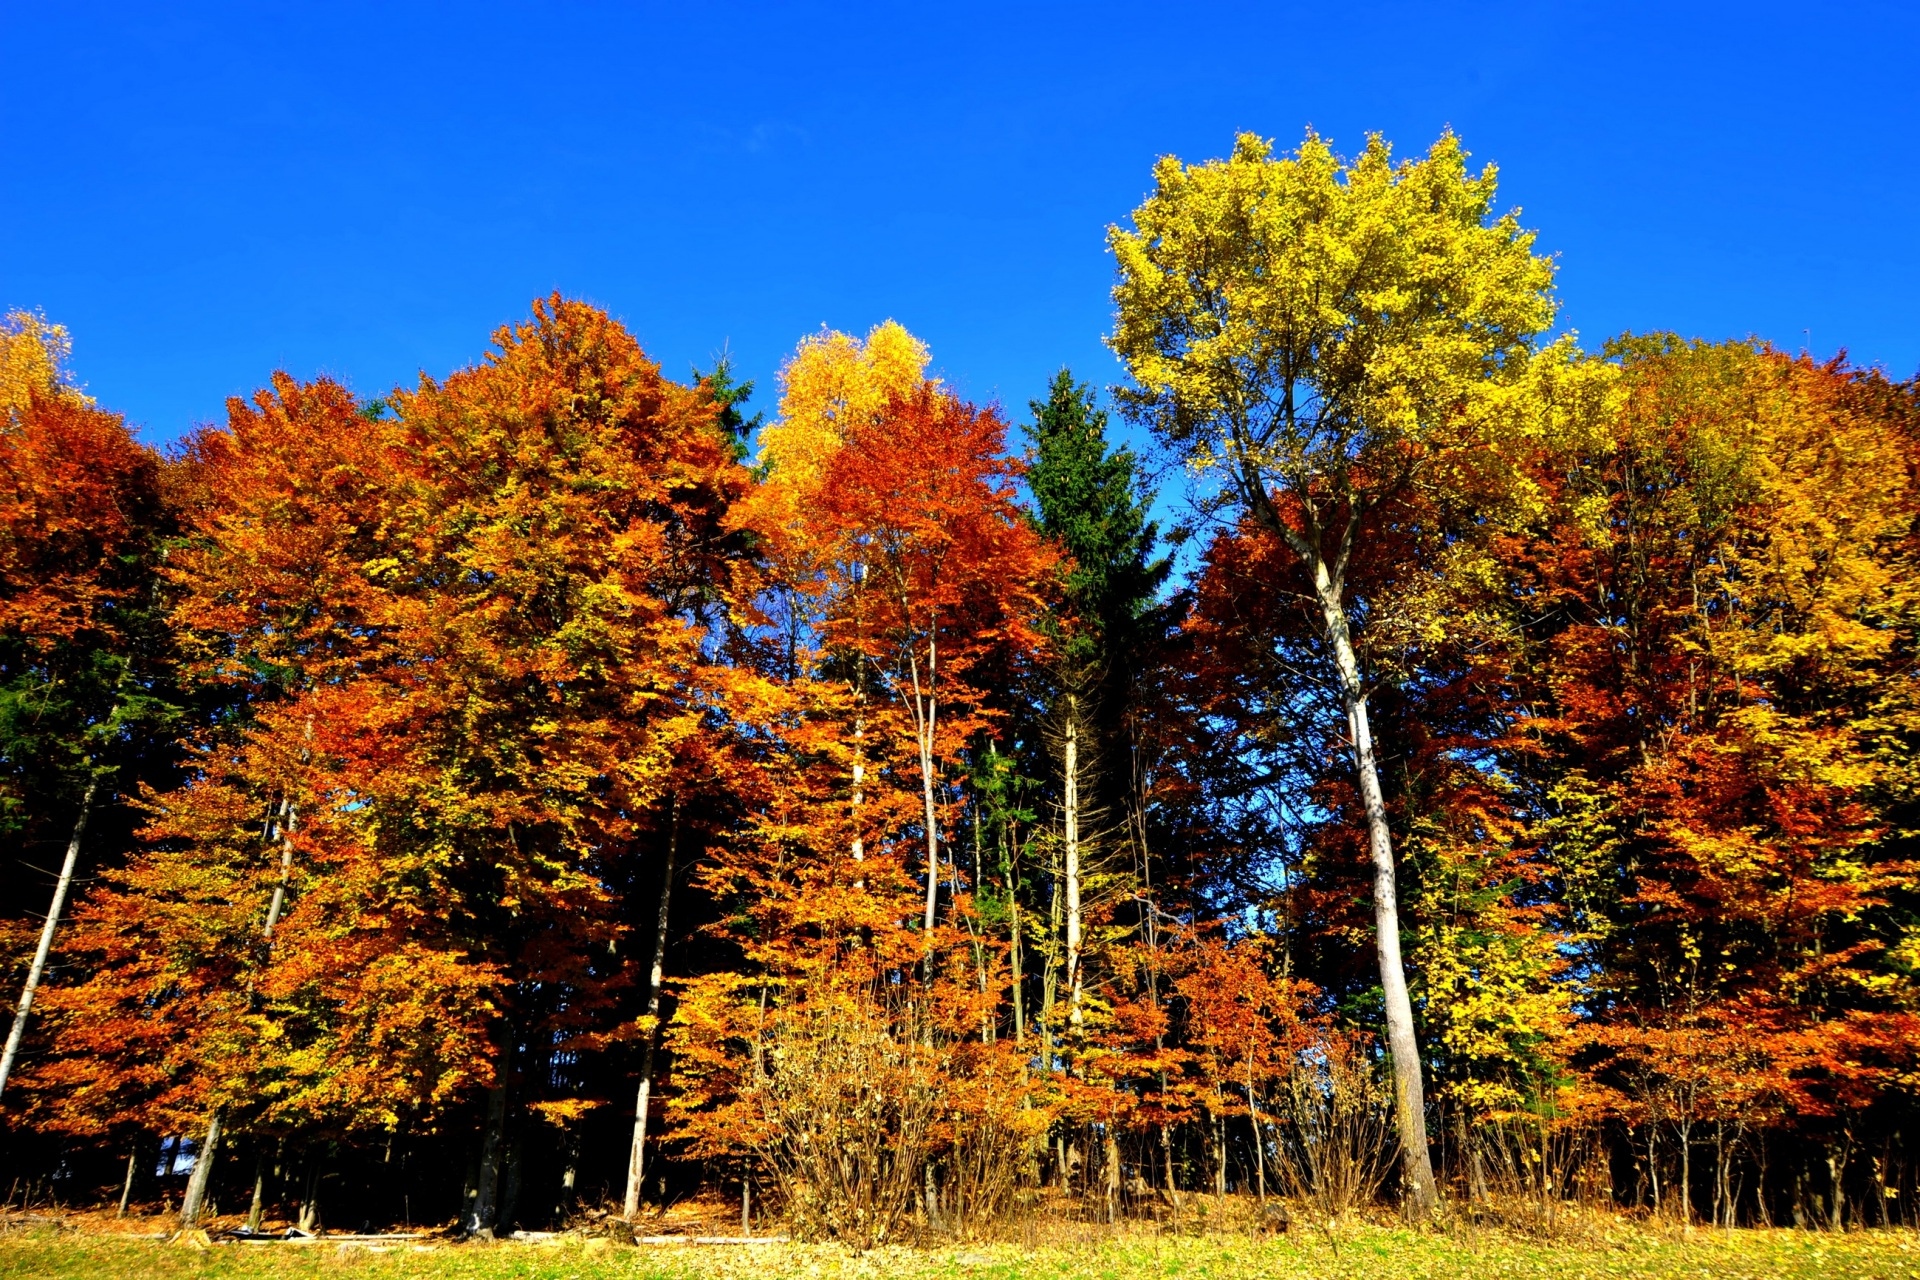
x,y
1363,1252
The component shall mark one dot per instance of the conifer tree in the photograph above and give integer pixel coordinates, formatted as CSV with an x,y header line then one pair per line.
x,y
1089,502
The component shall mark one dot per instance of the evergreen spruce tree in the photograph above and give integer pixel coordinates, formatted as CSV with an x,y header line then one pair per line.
x,y
1090,501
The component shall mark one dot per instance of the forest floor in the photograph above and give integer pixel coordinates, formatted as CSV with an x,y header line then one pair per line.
x,y
1126,1253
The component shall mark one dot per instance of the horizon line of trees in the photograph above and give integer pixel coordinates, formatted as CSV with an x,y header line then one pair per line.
x,y
549,786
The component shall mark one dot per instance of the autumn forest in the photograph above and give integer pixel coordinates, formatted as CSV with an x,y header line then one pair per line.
x,y
1383,754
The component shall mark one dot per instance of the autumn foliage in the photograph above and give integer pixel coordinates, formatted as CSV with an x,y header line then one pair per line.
x,y
870,794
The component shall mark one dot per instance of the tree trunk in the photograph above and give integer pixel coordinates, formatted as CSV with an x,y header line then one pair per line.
x,y
1259,1139
933,831
1013,950
309,1219
1409,1093
279,902
859,766
126,1188
1219,1154
926,720
1653,1164
637,1154
1686,1175
1071,815
196,1198
39,966
1166,1154
484,1210
1050,970
1836,1184
509,1214
569,1176
210,1146
259,1191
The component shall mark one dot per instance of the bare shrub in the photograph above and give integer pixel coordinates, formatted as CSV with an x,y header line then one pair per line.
x,y
1336,1132
996,1136
1529,1170
849,1107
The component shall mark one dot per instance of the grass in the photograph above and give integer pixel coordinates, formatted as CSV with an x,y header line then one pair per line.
x,y
1365,1251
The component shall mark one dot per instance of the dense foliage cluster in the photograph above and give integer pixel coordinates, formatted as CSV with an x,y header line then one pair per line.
x,y
547,786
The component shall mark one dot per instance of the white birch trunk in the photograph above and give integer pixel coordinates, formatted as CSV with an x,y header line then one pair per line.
x,y
38,968
637,1154
926,717
1071,805
1409,1093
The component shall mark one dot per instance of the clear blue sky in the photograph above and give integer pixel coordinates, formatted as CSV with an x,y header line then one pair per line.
x,y
203,194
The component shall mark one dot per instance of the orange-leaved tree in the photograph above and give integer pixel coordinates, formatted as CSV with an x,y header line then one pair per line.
x,y
470,627
901,573
85,659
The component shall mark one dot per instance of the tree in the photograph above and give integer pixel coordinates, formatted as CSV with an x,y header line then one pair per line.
x,y
1711,653
468,631
570,539
84,649
33,362
1089,503
902,582
1319,340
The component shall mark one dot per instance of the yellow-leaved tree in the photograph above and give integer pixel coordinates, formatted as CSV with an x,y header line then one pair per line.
x,y
833,383
33,358
1342,351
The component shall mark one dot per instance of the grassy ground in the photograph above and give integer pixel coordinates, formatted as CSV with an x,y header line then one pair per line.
x,y
1360,1252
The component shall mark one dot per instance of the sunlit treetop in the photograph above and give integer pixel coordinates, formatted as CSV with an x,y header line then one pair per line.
x,y
33,358
1325,326
834,383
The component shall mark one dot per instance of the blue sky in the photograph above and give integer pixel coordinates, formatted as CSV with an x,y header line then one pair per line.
x,y
204,194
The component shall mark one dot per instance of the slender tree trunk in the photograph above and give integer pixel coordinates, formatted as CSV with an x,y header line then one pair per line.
x,y
1686,1175
259,1191
126,1188
1219,1154
1653,1164
859,763
569,1175
637,1154
197,1182
1409,1093
859,733
39,966
1013,944
1259,1139
279,901
926,715
1050,973
1071,806
210,1144
989,1016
